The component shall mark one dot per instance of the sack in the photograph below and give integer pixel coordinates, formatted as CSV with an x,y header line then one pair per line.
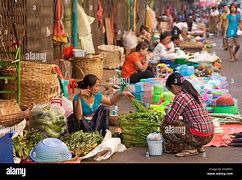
x,y
130,39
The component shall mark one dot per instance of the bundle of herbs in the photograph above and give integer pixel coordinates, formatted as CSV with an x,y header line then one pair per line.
x,y
136,126
23,144
81,143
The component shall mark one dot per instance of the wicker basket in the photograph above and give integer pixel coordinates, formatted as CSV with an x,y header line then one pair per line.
x,y
113,56
11,114
38,84
88,65
8,107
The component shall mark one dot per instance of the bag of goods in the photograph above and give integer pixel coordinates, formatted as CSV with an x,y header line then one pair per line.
x,y
50,120
130,39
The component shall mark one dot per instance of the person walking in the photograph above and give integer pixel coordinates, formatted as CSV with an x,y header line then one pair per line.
x,y
230,32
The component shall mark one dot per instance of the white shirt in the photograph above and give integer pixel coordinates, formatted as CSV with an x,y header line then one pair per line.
x,y
160,51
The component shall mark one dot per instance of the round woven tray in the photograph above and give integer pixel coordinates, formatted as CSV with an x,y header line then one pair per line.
x,y
15,118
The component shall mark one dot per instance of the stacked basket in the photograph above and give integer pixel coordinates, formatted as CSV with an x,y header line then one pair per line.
x,y
92,64
38,84
113,56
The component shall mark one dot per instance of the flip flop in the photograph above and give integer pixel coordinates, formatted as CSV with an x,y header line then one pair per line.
x,y
185,153
200,150
231,60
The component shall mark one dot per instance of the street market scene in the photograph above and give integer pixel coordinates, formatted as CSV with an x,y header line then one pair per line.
x,y
113,81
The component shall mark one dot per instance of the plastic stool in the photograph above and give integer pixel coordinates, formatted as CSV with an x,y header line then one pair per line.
x,y
65,87
71,84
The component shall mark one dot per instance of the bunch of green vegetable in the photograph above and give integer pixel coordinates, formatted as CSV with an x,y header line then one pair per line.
x,y
136,126
23,144
139,106
81,143
49,121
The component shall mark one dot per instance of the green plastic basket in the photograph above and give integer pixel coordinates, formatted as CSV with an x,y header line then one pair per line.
x,y
181,61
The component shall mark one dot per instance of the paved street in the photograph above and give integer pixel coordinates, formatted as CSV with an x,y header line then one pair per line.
x,y
213,154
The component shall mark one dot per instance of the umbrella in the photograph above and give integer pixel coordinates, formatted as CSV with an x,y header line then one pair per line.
x,y
207,4
59,32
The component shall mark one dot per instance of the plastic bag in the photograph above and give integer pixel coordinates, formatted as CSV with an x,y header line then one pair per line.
x,y
130,39
49,119
65,103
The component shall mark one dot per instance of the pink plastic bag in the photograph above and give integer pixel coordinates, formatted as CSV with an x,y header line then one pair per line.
x,y
65,103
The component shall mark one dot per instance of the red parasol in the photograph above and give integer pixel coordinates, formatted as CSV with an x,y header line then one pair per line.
x,y
207,4
59,32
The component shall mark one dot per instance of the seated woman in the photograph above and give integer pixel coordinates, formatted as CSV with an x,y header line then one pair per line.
x,y
165,48
89,114
135,66
186,126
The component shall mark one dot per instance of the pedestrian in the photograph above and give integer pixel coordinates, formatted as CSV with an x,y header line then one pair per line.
x,y
90,108
187,126
230,32
223,24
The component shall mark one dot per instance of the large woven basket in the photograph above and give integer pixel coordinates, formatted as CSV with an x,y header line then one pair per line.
x,y
113,56
38,84
88,65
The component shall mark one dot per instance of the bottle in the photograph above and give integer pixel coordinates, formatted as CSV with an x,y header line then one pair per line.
x,y
116,109
147,154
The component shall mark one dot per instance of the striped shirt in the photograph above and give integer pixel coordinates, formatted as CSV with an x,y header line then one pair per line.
x,y
193,113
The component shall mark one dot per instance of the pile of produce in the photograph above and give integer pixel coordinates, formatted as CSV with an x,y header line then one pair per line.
x,y
49,120
81,143
136,126
23,144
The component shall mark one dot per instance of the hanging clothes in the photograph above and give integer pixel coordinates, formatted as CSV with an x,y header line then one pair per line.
x,y
100,14
59,35
84,30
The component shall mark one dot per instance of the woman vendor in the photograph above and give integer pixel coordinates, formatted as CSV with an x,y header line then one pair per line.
x,y
165,48
135,66
187,126
90,113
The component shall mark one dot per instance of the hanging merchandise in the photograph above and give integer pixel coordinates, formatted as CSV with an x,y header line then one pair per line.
x,y
84,30
67,21
151,21
59,32
100,14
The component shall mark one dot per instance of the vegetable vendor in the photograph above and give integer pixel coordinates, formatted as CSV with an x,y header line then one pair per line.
x,y
89,114
136,64
187,126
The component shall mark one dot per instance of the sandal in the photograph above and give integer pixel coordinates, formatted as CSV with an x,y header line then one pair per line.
x,y
200,150
185,153
231,60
